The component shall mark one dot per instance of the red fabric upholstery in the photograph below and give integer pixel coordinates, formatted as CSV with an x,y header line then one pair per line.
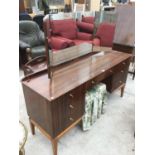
x,y
96,42
65,34
65,28
57,43
89,19
84,36
85,27
106,32
77,42
70,42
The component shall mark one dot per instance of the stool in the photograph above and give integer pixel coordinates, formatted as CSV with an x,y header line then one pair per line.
x,y
95,99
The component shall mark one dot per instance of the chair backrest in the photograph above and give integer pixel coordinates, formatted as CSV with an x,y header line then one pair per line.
x,y
52,17
88,19
30,33
39,20
24,16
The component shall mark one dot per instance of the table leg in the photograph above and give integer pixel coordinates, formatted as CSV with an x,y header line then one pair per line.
x,y
32,127
55,146
122,90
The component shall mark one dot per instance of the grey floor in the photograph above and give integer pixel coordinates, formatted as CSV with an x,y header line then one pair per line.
x,y
112,134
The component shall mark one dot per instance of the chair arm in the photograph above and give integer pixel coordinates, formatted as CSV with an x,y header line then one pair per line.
x,y
42,37
86,27
57,43
23,45
26,47
96,42
84,36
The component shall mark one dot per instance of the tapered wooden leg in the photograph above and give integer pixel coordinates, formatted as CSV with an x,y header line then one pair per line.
x,y
32,127
122,91
55,146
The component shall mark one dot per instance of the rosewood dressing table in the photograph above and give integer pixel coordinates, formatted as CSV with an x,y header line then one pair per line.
x,y
56,104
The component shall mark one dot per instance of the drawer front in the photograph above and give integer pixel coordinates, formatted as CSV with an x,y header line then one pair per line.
x,y
121,66
67,109
120,76
75,103
97,79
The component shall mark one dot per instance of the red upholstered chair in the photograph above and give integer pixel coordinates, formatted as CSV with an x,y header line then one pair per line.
x,y
104,35
64,33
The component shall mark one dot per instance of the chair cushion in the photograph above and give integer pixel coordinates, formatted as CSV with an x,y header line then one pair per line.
x,y
58,43
106,32
85,27
89,19
38,51
65,28
84,36
70,42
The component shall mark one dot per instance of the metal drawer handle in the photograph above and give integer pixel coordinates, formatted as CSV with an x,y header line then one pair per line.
x,y
71,119
124,63
93,82
122,71
71,106
71,95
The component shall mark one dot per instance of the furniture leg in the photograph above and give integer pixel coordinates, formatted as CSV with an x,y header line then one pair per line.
x,y
32,127
55,146
122,90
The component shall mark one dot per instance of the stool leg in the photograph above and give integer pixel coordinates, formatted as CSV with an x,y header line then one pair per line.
x,y
55,146
32,127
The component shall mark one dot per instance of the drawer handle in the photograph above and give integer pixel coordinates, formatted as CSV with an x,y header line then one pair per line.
x,y
120,82
71,119
71,106
122,71
93,82
124,63
111,71
71,95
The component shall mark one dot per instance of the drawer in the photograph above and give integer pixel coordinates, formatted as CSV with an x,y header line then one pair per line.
x,y
119,78
67,109
75,103
121,66
97,79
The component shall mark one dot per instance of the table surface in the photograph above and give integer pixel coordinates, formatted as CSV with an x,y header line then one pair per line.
x,y
73,74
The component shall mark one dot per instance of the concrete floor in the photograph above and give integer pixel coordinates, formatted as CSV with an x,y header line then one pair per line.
x,y
112,134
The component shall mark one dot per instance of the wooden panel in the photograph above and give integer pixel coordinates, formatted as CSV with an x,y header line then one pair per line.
x,y
125,25
38,109
60,114
123,48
